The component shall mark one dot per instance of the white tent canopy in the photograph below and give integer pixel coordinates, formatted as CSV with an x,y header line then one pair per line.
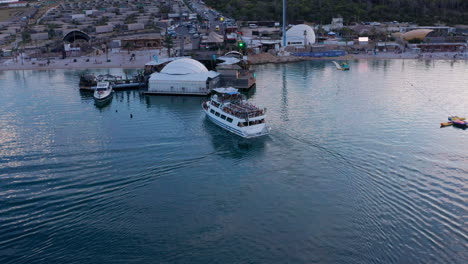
x,y
183,76
184,66
228,90
300,35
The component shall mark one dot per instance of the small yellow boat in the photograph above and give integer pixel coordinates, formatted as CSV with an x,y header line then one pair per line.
x,y
446,124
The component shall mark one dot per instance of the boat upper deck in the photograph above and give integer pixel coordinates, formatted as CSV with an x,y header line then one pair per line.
x,y
236,106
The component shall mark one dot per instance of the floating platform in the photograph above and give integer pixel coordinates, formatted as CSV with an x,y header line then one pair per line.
x,y
88,82
119,86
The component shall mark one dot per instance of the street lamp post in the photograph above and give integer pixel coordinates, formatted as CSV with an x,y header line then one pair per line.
x,y
284,23
305,38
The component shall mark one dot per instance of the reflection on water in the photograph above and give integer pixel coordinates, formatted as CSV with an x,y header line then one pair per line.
x,y
249,92
177,103
229,145
104,104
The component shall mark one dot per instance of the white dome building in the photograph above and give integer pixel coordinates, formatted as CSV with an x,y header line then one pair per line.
x,y
184,66
183,76
300,35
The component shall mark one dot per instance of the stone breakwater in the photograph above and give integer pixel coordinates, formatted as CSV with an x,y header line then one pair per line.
x,y
269,58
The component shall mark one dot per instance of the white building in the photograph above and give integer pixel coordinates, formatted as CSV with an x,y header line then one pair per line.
x,y
18,4
183,76
104,29
337,23
300,35
78,16
136,26
40,36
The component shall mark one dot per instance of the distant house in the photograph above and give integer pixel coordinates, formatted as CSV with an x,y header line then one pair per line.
x,y
91,12
18,4
40,36
4,38
8,1
193,16
362,29
337,23
174,16
146,41
78,16
136,26
461,29
104,29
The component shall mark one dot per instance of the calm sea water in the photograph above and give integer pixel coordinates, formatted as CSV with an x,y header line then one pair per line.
x,y
356,170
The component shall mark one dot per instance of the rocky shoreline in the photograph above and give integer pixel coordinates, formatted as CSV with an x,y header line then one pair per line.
x,y
266,58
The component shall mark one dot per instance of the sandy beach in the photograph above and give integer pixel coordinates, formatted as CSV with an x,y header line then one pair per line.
x,y
122,59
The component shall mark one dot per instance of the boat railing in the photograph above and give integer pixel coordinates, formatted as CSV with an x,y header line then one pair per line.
x,y
241,112
238,108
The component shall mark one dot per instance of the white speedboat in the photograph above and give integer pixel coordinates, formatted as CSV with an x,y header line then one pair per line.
x,y
103,91
230,110
342,67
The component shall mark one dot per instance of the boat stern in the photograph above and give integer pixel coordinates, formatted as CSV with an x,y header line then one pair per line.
x,y
256,131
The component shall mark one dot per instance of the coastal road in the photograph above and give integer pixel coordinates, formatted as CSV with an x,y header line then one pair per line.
x,y
212,18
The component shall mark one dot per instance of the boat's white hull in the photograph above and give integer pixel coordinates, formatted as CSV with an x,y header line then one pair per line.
x,y
102,95
245,132
338,66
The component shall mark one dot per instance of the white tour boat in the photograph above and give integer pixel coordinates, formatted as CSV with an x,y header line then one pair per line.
x,y
103,91
230,110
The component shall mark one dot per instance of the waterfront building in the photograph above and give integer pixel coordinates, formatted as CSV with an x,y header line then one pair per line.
x,y
183,76
18,4
234,71
143,41
300,36
416,34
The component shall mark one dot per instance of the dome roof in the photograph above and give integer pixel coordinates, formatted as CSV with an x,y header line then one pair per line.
x,y
296,34
184,66
416,34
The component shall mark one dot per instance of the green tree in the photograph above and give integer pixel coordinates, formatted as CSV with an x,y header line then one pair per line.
x,y
322,11
26,36
168,44
128,45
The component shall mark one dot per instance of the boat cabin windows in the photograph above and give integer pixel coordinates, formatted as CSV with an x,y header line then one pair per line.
x,y
229,120
223,117
212,111
217,114
215,104
251,123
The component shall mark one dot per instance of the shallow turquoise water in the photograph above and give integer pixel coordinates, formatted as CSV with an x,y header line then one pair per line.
x,y
356,170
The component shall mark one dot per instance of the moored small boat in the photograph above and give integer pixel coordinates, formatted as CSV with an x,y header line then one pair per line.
x,y
458,121
103,91
446,124
230,110
342,67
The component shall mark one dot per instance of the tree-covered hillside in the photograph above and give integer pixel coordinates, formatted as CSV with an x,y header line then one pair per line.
x,y
321,11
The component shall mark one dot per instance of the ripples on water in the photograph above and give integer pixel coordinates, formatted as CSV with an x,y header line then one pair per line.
x,y
356,170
